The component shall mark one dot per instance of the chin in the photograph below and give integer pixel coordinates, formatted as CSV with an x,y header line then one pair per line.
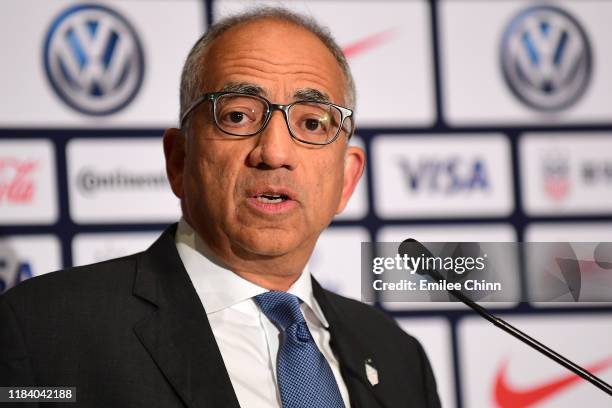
x,y
269,243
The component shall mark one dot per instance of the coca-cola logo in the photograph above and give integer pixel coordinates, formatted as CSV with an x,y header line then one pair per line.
x,y
16,181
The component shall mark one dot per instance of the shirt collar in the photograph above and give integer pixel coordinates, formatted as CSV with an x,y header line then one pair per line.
x,y
219,288
302,288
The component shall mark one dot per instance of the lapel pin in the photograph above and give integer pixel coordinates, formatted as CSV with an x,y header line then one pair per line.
x,y
371,372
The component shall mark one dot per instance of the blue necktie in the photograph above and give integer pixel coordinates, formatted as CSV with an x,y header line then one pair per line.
x,y
305,379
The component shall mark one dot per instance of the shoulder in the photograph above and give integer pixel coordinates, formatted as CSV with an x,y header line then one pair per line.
x,y
74,284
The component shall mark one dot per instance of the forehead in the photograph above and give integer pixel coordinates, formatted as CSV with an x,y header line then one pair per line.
x,y
277,55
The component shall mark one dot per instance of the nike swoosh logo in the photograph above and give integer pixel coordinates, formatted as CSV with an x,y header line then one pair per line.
x,y
509,397
367,43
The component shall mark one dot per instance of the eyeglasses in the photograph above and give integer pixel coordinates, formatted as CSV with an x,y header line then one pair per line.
x,y
311,122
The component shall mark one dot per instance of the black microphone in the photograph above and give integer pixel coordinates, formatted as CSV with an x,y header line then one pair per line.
x,y
414,248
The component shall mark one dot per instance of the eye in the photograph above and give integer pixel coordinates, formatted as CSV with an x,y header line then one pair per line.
x,y
313,119
239,113
312,124
236,117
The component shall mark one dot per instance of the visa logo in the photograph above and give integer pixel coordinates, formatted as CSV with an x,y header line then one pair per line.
x,y
450,176
9,278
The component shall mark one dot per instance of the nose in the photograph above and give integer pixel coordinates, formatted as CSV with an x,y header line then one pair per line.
x,y
275,147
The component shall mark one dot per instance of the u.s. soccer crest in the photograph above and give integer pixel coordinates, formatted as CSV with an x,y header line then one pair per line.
x,y
93,59
546,58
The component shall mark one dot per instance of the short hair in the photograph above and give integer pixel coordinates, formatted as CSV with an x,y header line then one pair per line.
x,y
191,77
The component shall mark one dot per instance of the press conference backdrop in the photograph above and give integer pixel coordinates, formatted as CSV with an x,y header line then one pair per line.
x,y
482,121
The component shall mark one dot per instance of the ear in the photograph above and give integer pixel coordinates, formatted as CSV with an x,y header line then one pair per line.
x,y
174,150
354,163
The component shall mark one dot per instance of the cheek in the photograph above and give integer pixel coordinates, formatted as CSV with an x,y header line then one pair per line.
x,y
210,176
327,187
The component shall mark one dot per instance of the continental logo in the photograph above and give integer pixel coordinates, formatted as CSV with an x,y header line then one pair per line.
x,y
89,181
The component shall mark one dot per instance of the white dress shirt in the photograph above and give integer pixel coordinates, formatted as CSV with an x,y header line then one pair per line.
x,y
248,340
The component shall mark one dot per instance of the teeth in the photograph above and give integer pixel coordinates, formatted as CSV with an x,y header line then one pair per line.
x,y
270,198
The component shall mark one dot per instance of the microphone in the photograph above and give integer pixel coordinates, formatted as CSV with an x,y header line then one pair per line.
x,y
603,255
414,248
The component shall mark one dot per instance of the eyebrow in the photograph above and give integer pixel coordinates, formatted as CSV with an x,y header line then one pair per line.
x,y
244,87
308,94
311,94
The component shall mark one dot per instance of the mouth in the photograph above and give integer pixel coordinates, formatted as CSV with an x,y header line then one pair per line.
x,y
272,200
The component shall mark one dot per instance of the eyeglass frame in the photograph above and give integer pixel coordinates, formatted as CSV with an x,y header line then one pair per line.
x,y
212,97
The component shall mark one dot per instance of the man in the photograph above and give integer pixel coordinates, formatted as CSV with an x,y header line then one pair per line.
x,y
221,311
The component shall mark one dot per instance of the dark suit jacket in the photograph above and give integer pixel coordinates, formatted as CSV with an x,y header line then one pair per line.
x,y
132,332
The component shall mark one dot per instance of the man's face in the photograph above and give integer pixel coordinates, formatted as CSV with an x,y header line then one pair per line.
x,y
225,182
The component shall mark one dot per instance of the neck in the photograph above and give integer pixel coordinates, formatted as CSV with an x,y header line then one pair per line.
x,y
270,272
270,282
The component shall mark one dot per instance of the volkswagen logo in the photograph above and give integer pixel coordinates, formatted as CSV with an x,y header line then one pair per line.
x,y
93,59
546,58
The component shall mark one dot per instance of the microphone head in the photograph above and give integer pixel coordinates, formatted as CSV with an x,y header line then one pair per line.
x,y
414,249
603,255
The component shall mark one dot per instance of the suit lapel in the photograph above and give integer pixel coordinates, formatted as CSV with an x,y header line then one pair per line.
x,y
351,353
177,334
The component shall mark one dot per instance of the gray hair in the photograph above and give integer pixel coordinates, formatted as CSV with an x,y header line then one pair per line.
x,y
191,77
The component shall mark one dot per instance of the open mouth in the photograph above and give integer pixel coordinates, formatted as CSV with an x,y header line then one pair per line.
x,y
271,198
